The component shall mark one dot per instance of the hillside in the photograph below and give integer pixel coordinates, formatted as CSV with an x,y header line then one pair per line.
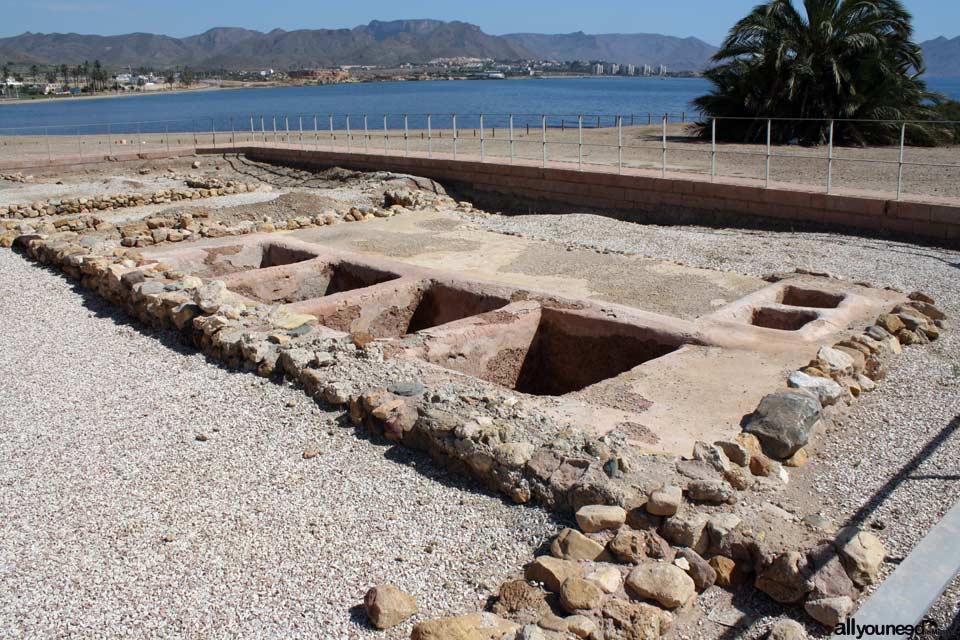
x,y
638,48
942,56
378,43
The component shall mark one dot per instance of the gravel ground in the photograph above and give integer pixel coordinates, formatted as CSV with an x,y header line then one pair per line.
x,y
117,521
893,462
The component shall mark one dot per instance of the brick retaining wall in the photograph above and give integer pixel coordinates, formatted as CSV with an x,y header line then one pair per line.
x,y
647,196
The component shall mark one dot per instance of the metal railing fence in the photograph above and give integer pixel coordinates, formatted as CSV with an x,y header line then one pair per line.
x,y
651,143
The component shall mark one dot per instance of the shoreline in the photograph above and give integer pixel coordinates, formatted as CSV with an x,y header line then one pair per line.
x,y
133,94
211,88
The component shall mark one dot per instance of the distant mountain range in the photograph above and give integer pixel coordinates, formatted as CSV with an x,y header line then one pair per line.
x,y
634,48
380,44
377,43
942,56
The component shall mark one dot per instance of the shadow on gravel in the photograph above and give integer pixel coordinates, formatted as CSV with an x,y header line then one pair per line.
x,y
905,474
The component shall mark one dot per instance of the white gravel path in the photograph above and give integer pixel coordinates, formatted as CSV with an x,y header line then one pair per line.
x,y
116,521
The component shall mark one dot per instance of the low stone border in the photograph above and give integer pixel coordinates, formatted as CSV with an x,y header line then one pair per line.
x,y
198,190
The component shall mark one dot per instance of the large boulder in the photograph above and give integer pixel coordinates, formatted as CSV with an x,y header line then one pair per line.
x,y
666,584
783,422
388,606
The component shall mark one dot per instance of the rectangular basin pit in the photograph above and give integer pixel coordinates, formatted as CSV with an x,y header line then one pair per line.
x,y
547,352
398,309
812,298
304,281
782,319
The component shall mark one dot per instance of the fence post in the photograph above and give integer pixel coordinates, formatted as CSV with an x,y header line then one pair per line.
x,y
316,132
454,136
713,149
766,176
275,139
349,134
109,141
233,134
300,122
253,131
79,143
830,161
46,134
620,145
482,154
406,136
386,136
580,142
663,155
140,140
429,135
263,129
511,139
543,137
331,132
366,135
903,140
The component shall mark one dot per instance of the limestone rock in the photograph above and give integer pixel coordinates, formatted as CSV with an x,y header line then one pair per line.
x,y
552,572
787,630
570,544
608,578
624,620
687,529
629,546
473,626
829,611
577,594
890,323
665,501
387,606
735,452
712,491
787,579
726,571
825,389
665,584
704,576
522,601
712,455
783,422
862,554
595,518
581,626
834,361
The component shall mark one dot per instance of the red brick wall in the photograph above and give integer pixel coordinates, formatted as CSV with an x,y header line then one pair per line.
x,y
936,222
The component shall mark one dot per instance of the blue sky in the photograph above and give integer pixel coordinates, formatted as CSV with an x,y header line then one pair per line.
x,y
705,19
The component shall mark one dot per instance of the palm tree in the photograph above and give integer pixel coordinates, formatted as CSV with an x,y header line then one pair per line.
x,y
65,72
835,59
34,72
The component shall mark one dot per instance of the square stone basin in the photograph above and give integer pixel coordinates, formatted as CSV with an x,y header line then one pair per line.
x,y
305,281
401,307
544,351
